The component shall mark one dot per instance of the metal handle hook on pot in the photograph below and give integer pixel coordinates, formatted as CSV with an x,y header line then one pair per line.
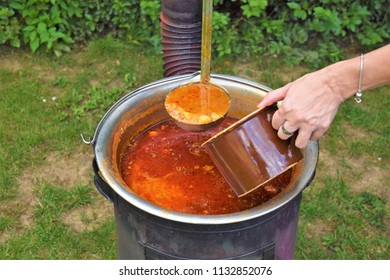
x,y
85,141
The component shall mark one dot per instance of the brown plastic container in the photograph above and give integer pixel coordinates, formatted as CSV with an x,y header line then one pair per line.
x,y
249,153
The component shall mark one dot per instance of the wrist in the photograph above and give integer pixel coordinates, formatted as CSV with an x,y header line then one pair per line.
x,y
343,77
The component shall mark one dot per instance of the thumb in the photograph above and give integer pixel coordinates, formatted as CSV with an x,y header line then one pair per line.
x,y
273,96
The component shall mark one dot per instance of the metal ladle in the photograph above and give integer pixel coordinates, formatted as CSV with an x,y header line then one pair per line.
x,y
199,106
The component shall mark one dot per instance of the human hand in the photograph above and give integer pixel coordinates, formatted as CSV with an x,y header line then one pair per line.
x,y
309,105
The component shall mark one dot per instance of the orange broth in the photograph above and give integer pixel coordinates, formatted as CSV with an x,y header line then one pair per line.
x,y
165,165
197,103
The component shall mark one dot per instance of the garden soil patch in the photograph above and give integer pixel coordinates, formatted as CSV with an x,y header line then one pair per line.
x,y
63,172
11,64
361,174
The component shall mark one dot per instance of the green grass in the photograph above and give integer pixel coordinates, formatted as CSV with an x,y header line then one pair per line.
x,y
46,102
33,124
371,119
354,223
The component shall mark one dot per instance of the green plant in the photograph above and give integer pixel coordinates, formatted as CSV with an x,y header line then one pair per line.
x,y
300,31
9,27
56,24
43,24
98,99
130,79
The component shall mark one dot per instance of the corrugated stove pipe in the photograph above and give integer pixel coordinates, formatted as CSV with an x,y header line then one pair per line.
x,y
181,30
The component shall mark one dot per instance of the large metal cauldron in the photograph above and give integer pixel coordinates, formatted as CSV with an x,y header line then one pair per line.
x,y
146,231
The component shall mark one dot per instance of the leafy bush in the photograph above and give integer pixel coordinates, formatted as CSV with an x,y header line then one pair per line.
x,y
56,24
310,31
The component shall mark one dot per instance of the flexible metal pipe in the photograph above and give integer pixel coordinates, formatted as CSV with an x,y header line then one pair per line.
x,y
181,31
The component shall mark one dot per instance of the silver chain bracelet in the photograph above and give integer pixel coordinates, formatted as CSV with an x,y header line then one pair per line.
x,y
359,93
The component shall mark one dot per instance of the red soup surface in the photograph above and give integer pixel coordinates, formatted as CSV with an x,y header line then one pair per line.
x,y
166,166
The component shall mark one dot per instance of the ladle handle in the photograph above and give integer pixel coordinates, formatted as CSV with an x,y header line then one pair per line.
x,y
207,11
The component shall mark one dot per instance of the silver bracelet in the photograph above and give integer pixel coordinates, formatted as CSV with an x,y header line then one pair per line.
x,y
359,93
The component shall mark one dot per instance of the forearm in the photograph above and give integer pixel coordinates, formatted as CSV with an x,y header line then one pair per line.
x,y
343,76
310,103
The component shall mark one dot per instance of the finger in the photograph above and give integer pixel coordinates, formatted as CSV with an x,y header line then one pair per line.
x,y
273,96
317,134
303,138
278,119
286,130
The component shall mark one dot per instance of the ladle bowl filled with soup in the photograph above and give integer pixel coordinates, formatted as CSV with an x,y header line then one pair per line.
x,y
170,200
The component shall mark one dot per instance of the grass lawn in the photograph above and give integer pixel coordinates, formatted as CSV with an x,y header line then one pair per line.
x,y
49,208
